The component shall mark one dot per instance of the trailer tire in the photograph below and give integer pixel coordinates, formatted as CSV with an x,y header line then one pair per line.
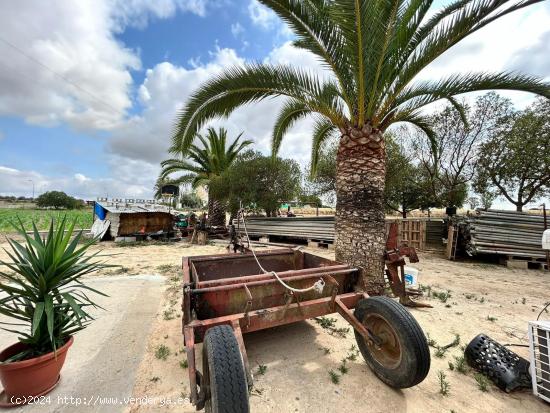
x,y
223,372
404,358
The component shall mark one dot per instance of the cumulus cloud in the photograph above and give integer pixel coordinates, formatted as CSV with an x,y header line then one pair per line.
x,y
493,48
78,73
262,16
137,13
164,91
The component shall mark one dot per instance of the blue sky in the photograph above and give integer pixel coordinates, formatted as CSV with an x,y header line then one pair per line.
x,y
135,63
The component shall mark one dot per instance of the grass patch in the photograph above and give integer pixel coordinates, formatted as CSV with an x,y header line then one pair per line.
x,y
482,382
168,314
334,377
444,385
162,352
167,269
441,350
262,368
184,364
326,350
353,353
343,368
329,324
443,296
460,365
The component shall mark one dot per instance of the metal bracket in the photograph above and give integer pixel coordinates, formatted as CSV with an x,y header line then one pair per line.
x,y
248,305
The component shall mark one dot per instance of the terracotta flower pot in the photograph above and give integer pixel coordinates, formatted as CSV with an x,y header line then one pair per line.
x,y
32,377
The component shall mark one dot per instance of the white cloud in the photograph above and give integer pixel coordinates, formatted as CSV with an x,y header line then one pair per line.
x,y
261,15
163,92
138,12
516,42
125,182
64,65
237,29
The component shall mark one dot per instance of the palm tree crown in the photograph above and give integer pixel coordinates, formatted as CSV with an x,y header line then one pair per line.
x,y
374,49
202,163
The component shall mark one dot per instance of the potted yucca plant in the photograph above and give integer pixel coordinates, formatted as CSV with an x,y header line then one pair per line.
x,y
42,291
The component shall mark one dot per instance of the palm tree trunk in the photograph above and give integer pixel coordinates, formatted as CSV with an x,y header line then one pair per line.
x,y
216,212
360,220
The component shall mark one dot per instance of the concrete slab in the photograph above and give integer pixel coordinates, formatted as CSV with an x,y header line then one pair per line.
x,y
100,370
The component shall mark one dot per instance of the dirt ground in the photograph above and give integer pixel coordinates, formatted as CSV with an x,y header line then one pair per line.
x,y
298,358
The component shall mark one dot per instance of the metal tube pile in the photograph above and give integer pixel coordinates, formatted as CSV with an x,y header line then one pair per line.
x,y
316,228
505,233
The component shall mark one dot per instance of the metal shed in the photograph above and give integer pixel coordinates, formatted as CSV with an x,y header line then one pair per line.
x,y
130,217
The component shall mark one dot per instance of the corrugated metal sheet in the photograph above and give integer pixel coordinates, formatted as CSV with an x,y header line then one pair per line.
x,y
411,230
510,233
126,207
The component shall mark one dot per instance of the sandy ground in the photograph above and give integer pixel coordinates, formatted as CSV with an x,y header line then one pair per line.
x,y
483,298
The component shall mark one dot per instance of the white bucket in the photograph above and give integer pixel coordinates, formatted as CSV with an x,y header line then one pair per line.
x,y
411,276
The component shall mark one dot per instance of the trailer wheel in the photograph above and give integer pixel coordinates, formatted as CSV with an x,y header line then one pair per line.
x,y
403,358
224,379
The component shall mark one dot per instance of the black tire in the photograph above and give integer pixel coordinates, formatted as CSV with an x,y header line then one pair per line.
x,y
223,372
404,358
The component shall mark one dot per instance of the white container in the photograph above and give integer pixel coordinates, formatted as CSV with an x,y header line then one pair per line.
x,y
411,276
546,240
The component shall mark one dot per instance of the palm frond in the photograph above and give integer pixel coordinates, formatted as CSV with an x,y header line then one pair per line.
x,y
240,85
317,33
322,130
291,112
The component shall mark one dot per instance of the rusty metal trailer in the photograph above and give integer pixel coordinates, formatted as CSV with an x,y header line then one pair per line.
x,y
227,295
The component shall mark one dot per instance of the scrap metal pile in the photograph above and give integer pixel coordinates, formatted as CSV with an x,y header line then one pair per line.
x,y
508,233
318,228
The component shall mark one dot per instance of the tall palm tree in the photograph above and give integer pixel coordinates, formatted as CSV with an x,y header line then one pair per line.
x,y
203,163
374,49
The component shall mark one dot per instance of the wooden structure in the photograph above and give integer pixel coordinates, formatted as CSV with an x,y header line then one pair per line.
x,y
419,233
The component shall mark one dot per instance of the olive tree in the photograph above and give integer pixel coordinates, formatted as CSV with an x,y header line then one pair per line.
x,y
515,161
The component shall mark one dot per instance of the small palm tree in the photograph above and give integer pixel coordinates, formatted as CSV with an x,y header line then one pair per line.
x,y
374,49
202,164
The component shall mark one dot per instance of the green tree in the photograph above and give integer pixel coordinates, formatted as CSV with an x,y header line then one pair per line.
x,y
405,188
374,50
203,163
191,200
516,161
323,181
57,200
450,164
259,182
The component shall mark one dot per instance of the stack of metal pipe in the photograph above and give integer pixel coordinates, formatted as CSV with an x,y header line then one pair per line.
x,y
315,228
505,233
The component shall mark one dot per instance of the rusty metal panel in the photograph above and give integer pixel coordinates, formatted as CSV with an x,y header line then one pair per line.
x,y
228,266
269,293
276,316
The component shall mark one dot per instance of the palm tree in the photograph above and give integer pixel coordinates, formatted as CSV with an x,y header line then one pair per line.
x,y
202,164
374,49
